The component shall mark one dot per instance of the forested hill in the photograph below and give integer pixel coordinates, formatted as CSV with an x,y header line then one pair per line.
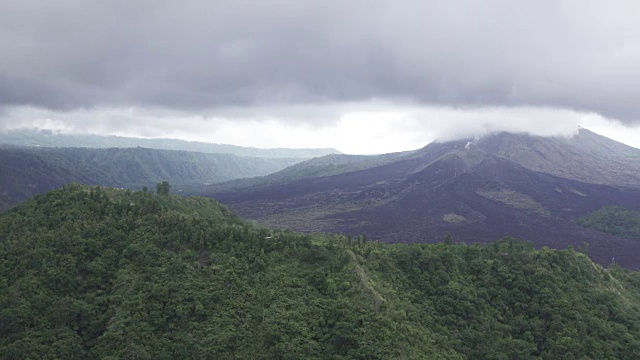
x,y
28,171
48,138
91,272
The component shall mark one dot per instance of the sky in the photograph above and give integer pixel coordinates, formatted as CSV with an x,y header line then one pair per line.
x,y
360,76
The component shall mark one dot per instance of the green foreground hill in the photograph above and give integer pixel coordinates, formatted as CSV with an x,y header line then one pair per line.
x,y
89,272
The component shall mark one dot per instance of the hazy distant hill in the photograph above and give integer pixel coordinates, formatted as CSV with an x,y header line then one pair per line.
x,y
328,165
47,138
506,184
28,171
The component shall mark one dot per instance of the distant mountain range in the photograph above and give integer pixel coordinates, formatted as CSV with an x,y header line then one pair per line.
x,y
47,138
476,189
25,172
37,161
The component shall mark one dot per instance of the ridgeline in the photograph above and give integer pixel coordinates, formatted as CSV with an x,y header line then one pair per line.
x,y
25,172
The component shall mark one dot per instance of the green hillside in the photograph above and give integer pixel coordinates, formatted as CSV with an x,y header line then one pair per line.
x,y
98,273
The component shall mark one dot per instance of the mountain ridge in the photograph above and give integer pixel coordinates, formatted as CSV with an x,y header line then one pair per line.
x,y
475,192
523,150
28,171
609,162
47,138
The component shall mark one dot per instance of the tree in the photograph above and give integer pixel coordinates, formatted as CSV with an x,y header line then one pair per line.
x,y
448,239
163,188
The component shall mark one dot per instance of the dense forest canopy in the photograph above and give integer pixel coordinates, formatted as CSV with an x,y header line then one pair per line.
x,y
91,272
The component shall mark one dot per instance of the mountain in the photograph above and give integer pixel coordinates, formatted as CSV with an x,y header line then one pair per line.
x,y
327,165
610,162
586,157
28,171
477,190
47,138
92,272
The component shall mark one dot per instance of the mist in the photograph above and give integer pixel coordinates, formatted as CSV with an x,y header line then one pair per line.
x,y
358,128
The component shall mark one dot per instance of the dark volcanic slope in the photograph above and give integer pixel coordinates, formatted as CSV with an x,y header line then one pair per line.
x,y
496,199
472,192
328,165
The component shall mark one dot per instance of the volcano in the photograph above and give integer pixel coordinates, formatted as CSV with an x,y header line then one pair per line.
x,y
477,190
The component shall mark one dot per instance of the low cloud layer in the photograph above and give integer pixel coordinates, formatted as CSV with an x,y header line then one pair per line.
x,y
356,128
202,58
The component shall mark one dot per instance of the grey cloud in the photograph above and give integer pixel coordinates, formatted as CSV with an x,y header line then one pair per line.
x,y
203,55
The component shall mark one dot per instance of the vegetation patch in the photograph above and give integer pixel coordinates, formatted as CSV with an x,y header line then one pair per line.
x,y
613,220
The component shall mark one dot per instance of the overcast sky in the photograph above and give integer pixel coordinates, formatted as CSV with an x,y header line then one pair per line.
x,y
362,76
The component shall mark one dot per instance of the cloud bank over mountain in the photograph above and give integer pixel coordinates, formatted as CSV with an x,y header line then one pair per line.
x,y
314,62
